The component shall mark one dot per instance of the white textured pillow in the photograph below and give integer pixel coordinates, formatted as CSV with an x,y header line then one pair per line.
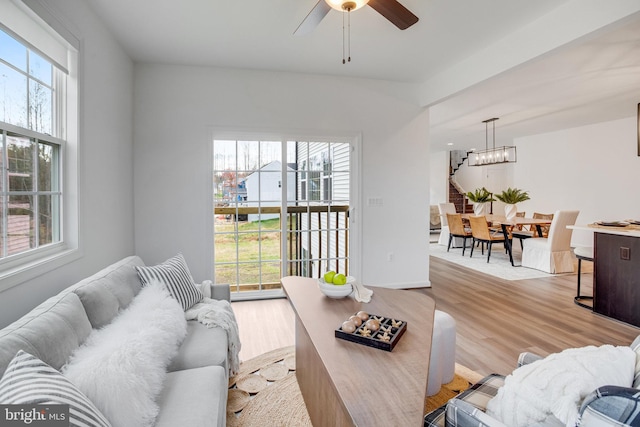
x,y
28,380
557,384
121,367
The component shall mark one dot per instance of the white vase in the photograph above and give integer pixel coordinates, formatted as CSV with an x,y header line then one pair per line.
x,y
480,209
510,211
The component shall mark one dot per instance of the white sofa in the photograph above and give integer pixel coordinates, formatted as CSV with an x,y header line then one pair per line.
x,y
195,388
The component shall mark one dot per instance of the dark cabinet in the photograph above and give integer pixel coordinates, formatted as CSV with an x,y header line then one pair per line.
x,y
617,277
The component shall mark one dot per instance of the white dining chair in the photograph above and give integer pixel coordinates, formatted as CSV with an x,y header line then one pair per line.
x,y
552,254
444,209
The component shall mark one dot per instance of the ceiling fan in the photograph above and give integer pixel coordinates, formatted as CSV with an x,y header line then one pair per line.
x,y
399,15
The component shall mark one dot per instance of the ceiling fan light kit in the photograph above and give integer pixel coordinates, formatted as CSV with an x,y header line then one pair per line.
x,y
347,6
392,10
492,156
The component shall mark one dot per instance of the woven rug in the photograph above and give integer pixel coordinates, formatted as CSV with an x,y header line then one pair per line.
x,y
265,392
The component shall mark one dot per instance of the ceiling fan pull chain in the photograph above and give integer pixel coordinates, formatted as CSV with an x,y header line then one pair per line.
x,y
343,39
349,35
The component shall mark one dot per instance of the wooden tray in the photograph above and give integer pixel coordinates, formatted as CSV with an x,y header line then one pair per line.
x,y
387,323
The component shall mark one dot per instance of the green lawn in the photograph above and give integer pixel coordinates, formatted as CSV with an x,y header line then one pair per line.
x,y
258,244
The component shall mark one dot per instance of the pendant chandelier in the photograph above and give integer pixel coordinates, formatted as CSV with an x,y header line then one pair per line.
x,y
491,156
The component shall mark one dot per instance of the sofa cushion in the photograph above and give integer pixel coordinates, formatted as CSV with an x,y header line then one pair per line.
x,y
28,380
175,275
202,347
51,331
110,290
194,397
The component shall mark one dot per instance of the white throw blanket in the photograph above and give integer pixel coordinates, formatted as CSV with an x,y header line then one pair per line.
x,y
211,312
362,294
557,384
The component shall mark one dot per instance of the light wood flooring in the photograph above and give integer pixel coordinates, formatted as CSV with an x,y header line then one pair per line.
x,y
496,319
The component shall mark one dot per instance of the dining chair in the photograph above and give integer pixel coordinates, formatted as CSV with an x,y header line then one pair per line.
x,y
515,228
545,228
457,229
552,254
444,209
522,233
482,234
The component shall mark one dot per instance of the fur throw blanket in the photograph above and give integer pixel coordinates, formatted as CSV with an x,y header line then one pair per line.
x,y
122,366
211,313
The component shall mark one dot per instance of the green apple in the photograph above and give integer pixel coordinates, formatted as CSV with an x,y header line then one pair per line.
x,y
328,276
339,279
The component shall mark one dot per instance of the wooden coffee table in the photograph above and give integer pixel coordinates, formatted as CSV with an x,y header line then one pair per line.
x,y
349,384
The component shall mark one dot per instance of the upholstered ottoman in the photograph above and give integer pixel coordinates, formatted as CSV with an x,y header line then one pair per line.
x,y
442,362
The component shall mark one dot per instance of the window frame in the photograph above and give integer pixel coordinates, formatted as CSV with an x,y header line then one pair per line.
x,y
22,267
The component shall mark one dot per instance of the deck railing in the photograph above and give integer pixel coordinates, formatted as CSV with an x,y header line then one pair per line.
x,y
308,221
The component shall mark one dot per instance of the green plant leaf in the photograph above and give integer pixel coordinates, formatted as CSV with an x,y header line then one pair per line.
x,y
512,196
480,195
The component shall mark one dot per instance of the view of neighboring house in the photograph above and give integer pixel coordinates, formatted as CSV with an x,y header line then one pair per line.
x,y
264,188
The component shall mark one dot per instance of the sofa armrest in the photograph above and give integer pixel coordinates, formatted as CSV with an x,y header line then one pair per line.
x,y
611,406
526,358
219,291
464,414
467,409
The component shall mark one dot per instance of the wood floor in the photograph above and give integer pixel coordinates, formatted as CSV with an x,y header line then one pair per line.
x,y
496,319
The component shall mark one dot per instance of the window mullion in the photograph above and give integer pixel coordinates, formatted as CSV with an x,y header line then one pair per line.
x,y
5,191
36,199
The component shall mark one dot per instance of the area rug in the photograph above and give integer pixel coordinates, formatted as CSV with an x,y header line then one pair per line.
x,y
498,265
265,392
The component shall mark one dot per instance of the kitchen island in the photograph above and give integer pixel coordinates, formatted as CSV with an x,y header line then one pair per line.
x,y
616,271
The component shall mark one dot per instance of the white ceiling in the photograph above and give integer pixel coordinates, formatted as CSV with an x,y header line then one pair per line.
x,y
594,80
590,81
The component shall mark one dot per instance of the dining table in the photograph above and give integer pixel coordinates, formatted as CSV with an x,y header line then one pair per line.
x,y
507,225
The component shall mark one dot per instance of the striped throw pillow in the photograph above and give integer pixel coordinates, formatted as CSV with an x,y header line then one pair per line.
x,y
175,275
28,380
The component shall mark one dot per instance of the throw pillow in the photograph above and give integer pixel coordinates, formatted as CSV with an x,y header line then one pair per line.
x,y
28,380
175,275
122,366
557,384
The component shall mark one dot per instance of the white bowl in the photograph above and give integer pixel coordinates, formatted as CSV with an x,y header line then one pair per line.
x,y
335,291
323,284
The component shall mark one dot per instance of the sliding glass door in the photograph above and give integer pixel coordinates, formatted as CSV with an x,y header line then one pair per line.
x,y
280,208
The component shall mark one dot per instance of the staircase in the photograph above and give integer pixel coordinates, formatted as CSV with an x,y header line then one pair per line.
x,y
456,159
458,199
456,194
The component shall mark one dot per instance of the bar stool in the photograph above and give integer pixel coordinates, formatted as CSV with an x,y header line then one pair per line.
x,y
583,253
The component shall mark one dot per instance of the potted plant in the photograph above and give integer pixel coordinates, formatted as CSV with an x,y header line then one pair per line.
x,y
512,196
480,197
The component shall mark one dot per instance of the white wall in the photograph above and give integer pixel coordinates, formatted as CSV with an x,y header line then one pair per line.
x,y
439,177
105,194
593,168
177,107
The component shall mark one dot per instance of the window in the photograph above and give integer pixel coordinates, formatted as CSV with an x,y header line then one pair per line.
x,y
30,194
30,157
38,142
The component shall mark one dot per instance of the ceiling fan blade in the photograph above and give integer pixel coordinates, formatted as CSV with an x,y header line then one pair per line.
x,y
399,15
314,17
